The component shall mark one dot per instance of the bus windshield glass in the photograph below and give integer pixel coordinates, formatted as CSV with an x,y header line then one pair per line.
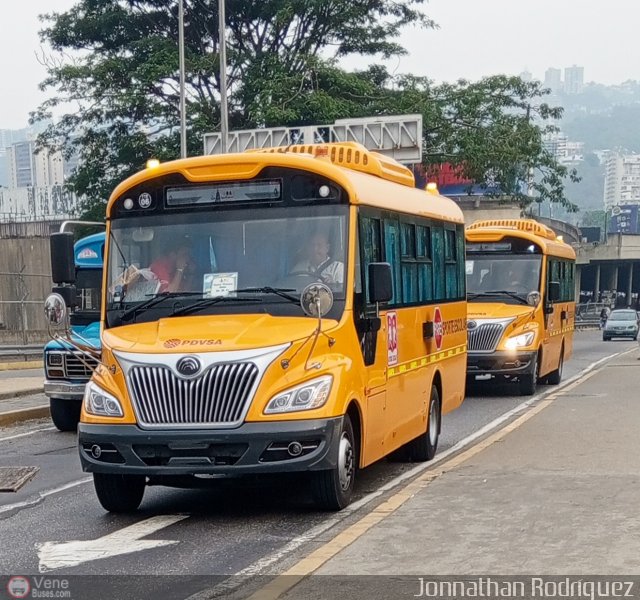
x,y
250,260
493,277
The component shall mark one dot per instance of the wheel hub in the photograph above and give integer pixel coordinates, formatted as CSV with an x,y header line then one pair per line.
x,y
345,462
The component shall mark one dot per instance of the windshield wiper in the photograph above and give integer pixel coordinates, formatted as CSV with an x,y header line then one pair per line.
x,y
282,292
205,302
513,295
130,314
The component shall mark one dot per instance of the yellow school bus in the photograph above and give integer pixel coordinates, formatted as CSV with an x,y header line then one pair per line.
x,y
290,309
520,280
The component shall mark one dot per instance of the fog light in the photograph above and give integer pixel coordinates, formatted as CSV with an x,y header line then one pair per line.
x,y
294,449
96,451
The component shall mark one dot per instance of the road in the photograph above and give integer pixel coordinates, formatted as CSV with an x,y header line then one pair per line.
x,y
237,527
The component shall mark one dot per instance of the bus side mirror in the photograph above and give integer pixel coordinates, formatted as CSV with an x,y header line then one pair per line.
x,y
63,269
554,291
380,284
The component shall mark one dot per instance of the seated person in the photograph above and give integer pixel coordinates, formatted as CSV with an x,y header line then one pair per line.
x,y
319,263
175,270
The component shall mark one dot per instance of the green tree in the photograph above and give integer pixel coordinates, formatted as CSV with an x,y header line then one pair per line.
x,y
117,65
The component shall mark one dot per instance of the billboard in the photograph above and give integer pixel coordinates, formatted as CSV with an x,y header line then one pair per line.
x,y
624,219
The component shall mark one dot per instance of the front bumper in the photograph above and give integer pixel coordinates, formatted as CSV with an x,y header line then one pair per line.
x,y
249,449
611,333
501,363
64,390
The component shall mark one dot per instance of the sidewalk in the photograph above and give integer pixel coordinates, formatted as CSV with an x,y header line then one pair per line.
x,y
22,398
557,495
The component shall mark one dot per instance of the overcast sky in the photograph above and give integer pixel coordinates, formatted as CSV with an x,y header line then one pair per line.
x,y
476,38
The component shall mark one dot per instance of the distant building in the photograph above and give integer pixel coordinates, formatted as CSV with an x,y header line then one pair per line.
x,y
553,79
28,168
565,151
622,180
574,80
526,76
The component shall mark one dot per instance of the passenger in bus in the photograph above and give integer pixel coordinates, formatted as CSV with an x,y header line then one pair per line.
x,y
175,270
319,262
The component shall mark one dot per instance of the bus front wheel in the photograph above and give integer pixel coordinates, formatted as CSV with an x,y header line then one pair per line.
x,y
332,489
119,493
527,383
424,447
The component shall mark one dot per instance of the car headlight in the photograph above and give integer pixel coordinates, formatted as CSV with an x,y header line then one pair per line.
x,y
101,403
519,341
307,396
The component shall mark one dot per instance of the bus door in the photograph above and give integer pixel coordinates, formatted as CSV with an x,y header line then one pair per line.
x,y
371,327
554,319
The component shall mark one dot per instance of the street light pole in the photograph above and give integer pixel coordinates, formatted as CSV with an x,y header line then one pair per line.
x,y
183,105
224,116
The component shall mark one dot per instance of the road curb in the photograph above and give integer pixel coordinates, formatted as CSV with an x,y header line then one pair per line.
x,y
24,414
21,364
18,393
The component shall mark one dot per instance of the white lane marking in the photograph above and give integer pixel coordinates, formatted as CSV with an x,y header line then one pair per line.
x,y
42,495
259,567
58,555
19,435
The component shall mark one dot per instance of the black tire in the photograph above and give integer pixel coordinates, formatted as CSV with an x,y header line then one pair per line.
x,y
333,489
119,493
65,414
555,377
527,383
606,338
424,447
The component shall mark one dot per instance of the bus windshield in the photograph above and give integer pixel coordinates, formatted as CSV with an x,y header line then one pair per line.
x,y
490,276
233,254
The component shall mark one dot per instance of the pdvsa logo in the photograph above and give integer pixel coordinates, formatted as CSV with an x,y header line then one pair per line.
x,y
175,343
18,587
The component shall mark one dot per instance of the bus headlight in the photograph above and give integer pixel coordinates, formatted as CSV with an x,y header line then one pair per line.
x,y
100,403
519,341
307,396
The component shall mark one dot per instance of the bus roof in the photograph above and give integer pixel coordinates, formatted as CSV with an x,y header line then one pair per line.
x,y
369,177
89,251
528,229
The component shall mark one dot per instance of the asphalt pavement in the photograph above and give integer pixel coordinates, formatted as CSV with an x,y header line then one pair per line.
x,y
250,526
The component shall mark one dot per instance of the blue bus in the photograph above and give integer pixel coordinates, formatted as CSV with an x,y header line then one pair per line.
x,y
67,371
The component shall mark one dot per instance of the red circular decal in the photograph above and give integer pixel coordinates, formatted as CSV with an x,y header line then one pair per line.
x,y
438,329
172,343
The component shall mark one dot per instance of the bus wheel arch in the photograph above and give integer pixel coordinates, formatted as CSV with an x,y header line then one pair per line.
x,y
555,377
333,488
354,413
437,381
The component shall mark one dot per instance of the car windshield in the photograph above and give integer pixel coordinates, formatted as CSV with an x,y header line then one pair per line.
x,y
253,259
490,276
623,316
88,288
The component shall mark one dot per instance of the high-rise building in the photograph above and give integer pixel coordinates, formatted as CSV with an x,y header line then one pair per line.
x,y
573,80
622,180
553,79
30,169
526,75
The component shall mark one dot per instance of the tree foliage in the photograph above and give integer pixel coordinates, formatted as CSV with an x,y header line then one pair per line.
x,y
116,65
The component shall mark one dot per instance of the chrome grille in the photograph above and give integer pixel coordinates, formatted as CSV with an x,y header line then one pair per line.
x,y
485,337
75,367
219,395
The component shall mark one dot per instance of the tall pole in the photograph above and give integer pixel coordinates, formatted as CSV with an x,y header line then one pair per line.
x,y
224,111
183,104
